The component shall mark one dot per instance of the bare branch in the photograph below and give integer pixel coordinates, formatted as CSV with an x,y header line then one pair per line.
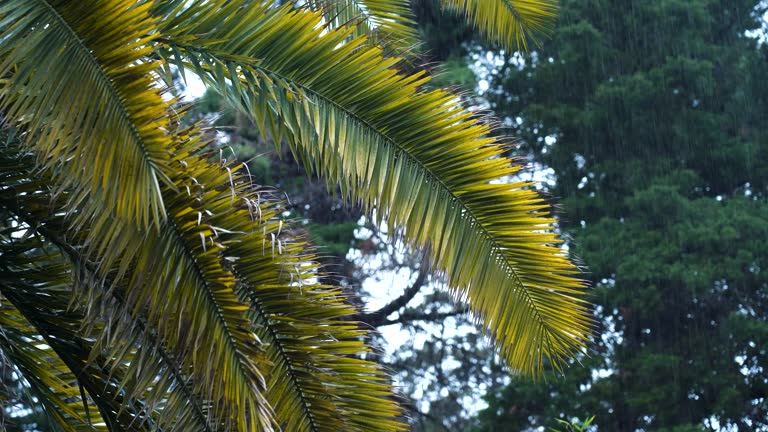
x,y
379,317
429,316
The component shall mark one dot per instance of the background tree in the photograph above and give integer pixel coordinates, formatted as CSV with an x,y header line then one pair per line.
x,y
651,115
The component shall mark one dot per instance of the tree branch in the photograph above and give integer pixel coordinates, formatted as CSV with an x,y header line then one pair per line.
x,y
378,318
430,316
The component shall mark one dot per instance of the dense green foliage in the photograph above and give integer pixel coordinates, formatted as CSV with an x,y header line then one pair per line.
x,y
652,115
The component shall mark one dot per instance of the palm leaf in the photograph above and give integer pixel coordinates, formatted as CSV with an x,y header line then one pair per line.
x,y
51,353
309,343
416,157
77,79
389,23
127,401
135,381
509,23
211,319
314,382
188,297
50,381
47,355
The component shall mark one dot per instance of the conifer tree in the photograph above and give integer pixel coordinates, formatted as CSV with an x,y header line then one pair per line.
x,y
652,115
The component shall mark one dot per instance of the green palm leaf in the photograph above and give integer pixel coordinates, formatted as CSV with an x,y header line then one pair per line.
x,y
416,157
309,343
58,371
189,297
509,23
314,383
211,319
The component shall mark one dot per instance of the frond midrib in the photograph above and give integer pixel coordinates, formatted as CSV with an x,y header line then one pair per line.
x,y
200,275
512,9
262,314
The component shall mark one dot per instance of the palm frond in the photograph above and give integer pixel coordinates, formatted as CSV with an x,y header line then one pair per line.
x,y
135,381
188,297
159,278
76,79
124,399
417,158
255,280
311,346
56,329
510,23
36,287
52,386
388,23
314,382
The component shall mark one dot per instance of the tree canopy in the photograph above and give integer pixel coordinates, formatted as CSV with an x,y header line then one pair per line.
x,y
649,113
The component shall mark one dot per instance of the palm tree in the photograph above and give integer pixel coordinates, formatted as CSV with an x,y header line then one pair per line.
x,y
145,283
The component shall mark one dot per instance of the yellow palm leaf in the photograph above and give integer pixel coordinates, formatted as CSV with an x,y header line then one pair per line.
x,y
509,23
77,78
231,308
389,23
